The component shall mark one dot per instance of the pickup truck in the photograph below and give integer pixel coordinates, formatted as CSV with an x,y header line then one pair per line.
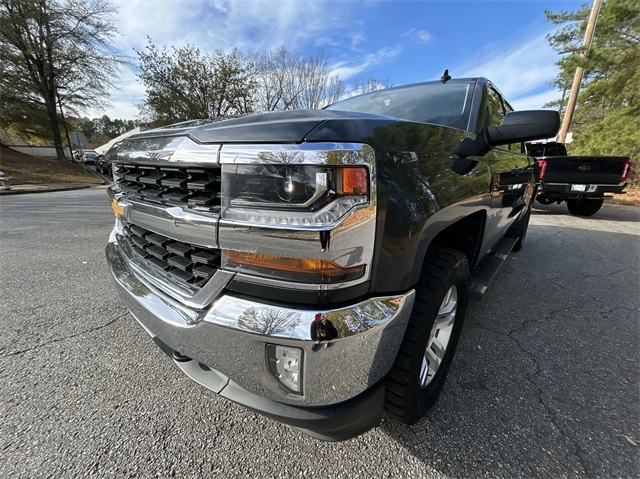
x,y
315,265
582,181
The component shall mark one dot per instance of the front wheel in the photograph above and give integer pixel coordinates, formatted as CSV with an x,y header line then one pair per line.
x,y
420,369
584,207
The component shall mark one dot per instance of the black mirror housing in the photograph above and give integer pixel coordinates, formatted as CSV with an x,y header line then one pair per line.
x,y
526,125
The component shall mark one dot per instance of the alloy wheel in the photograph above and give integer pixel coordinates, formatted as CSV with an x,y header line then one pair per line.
x,y
439,337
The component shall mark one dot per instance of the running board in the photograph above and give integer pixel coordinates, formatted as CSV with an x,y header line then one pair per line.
x,y
484,273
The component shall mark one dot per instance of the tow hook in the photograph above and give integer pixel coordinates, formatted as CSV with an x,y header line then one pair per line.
x,y
181,358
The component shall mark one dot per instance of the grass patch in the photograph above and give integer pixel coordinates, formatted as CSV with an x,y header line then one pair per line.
x,y
27,169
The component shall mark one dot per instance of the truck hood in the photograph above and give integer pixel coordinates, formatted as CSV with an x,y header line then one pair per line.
x,y
292,126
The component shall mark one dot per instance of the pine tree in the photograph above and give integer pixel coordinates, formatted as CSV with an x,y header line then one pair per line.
x,y
607,116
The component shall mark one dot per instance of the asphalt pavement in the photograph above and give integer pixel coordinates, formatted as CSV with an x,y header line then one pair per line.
x,y
545,382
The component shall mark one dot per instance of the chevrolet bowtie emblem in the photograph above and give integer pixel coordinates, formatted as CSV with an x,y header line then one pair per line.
x,y
118,209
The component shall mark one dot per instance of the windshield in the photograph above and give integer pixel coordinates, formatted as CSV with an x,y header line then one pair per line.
x,y
442,104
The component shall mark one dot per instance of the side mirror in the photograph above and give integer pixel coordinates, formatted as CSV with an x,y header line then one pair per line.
x,y
520,126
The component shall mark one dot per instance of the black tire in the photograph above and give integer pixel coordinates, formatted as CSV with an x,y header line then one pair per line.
x,y
519,230
585,207
406,398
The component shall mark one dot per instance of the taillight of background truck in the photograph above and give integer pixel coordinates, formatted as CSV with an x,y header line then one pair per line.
x,y
542,169
625,172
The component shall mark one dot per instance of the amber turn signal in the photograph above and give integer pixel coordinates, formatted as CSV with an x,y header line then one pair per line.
x,y
301,269
118,209
354,181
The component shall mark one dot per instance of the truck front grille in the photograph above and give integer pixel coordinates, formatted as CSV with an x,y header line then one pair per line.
x,y
198,188
185,263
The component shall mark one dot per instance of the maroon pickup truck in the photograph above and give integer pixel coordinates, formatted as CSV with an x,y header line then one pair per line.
x,y
582,181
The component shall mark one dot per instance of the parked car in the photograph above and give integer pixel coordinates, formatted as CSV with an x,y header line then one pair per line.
x,y
315,265
89,157
103,164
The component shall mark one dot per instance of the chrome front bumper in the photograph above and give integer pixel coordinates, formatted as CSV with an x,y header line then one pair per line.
x,y
222,339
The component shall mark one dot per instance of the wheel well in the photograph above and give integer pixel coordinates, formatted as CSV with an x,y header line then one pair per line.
x,y
464,235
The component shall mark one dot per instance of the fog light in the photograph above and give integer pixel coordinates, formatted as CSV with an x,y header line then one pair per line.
x,y
285,364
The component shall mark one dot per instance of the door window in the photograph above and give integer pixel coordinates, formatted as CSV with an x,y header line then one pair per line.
x,y
495,107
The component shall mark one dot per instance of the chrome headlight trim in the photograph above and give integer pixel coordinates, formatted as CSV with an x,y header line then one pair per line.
x,y
327,218
324,153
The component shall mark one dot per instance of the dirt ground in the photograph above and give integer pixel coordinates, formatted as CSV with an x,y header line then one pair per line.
x,y
630,198
27,169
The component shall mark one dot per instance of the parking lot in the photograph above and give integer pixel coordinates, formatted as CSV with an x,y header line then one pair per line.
x,y
545,382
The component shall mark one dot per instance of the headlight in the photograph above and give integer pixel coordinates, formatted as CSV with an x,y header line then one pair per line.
x,y
301,214
292,195
277,186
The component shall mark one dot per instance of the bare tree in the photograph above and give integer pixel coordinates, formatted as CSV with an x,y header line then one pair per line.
x,y
320,88
366,85
289,81
55,53
269,321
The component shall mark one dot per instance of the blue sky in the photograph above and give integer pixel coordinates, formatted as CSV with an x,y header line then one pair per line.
x,y
405,41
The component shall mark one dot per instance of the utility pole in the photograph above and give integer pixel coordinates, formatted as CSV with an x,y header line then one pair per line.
x,y
573,96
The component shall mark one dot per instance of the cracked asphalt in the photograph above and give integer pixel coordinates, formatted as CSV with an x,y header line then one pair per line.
x,y
545,382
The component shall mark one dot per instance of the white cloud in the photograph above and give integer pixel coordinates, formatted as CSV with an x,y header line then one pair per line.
x,y
347,70
123,110
249,25
257,25
165,21
519,71
127,93
536,101
419,36
219,5
423,36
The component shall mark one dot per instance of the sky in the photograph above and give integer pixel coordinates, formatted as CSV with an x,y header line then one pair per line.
x,y
404,41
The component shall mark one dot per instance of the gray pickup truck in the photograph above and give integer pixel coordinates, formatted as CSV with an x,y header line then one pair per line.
x,y
315,265
582,181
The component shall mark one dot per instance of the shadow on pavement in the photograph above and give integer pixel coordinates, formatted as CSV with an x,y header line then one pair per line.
x,y
544,382
608,212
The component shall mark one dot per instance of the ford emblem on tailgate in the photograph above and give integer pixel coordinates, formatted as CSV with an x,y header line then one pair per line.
x,y
584,168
